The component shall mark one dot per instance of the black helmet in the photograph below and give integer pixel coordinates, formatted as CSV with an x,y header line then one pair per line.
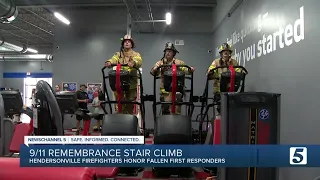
x,y
225,47
170,46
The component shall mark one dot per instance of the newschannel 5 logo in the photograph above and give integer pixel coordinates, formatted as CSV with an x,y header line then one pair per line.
x,y
298,156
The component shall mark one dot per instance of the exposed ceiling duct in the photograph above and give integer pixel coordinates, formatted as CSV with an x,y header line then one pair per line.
x,y
12,47
27,57
3,49
8,11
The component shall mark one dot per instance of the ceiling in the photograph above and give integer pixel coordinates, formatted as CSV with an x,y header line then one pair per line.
x,y
59,3
35,22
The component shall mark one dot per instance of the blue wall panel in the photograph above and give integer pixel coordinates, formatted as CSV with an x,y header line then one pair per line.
x,y
24,75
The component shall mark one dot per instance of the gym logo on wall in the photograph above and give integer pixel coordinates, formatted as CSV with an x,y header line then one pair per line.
x,y
264,114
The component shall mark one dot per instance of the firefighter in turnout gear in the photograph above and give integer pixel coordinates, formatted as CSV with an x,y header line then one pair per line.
x,y
133,59
169,58
225,59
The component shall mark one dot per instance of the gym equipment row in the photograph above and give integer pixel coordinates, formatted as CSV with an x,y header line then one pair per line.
x,y
232,105
11,105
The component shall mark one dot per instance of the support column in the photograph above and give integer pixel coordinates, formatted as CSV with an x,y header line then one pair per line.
x,y
129,24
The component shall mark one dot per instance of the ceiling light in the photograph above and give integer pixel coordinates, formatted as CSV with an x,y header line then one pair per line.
x,y
61,18
37,56
32,50
168,18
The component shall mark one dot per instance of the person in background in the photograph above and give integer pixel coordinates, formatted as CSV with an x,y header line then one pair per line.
x,y
133,59
96,103
83,99
169,58
33,98
101,94
57,88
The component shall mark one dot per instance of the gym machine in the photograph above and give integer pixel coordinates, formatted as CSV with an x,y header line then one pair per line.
x,y
47,119
246,118
11,104
119,124
230,81
259,124
165,129
68,104
3,122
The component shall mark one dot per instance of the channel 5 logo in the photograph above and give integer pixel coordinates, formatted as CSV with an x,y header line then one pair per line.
x,y
298,156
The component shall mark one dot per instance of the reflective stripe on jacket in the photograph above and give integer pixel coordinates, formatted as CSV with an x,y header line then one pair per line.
x,y
217,73
125,57
162,70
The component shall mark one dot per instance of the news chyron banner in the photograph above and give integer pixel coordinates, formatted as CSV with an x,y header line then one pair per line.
x,y
42,140
108,151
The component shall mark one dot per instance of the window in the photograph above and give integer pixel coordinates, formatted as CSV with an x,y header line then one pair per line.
x,y
29,84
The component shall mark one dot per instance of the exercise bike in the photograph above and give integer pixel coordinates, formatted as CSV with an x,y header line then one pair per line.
x,y
165,125
230,81
119,124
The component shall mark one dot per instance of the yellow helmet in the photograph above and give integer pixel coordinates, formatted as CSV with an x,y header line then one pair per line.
x,y
225,47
